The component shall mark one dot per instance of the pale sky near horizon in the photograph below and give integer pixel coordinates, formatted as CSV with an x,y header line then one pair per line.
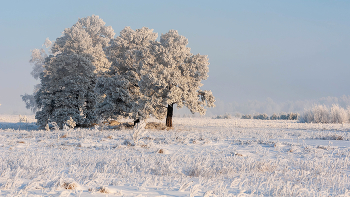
x,y
283,50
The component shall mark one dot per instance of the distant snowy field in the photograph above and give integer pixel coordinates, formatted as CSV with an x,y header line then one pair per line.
x,y
200,157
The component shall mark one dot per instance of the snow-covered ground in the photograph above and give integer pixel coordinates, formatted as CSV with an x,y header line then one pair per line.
x,y
199,157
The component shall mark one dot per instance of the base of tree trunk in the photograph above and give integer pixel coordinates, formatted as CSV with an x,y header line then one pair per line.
x,y
169,116
169,121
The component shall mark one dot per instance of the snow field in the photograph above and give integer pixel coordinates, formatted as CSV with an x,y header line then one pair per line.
x,y
199,157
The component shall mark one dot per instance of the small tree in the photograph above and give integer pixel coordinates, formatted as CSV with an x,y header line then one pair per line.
x,y
170,75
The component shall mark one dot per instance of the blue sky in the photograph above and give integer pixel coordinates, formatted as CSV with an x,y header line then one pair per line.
x,y
283,50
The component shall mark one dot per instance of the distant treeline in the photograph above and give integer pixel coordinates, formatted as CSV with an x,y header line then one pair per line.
x,y
317,114
323,114
289,116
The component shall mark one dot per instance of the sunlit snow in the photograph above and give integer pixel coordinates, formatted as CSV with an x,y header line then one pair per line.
x,y
199,157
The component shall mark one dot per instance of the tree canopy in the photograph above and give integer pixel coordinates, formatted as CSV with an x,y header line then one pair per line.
x,y
90,75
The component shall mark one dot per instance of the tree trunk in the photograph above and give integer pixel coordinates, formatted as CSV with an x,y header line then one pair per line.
x,y
136,121
169,116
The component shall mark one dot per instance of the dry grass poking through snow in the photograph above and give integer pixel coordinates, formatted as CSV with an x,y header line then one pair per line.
x,y
113,124
155,125
70,185
104,190
198,157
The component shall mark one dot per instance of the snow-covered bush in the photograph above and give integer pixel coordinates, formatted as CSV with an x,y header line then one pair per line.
x,y
321,114
274,117
261,117
226,116
23,118
283,116
55,126
338,114
292,116
247,116
318,114
71,123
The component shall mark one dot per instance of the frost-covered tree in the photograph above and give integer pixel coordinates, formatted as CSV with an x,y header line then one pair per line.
x,y
171,74
338,114
318,114
120,85
87,37
148,77
82,45
66,91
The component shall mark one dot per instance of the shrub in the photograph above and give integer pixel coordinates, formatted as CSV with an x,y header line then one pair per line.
x,y
247,116
321,114
261,117
226,116
274,117
238,115
338,114
283,117
292,116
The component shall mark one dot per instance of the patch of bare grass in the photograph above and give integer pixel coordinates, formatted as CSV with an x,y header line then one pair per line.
x,y
114,123
64,136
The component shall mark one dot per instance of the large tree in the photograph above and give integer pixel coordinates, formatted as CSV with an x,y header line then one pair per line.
x,y
79,47
120,84
171,74
148,77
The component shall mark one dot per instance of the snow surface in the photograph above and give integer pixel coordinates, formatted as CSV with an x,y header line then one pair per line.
x,y
199,157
